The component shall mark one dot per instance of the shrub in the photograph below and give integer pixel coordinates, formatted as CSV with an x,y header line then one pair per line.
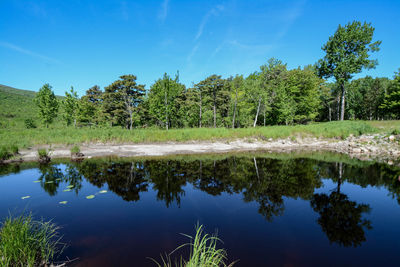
x,y
44,155
30,124
75,149
4,153
26,242
395,132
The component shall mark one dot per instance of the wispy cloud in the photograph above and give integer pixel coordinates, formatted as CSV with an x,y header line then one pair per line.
x,y
212,12
28,52
289,16
124,11
162,15
194,49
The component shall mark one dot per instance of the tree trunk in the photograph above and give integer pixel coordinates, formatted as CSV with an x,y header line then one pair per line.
x,y
166,110
338,107
264,116
330,113
343,103
258,110
131,120
215,109
234,110
200,111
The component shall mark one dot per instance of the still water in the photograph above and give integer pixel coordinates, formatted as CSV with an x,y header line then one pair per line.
x,y
270,210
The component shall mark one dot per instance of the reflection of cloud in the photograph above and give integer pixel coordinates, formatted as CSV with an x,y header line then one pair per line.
x,y
164,11
27,52
213,12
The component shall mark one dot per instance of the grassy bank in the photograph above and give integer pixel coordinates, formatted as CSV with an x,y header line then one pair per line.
x,y
26,242
24,138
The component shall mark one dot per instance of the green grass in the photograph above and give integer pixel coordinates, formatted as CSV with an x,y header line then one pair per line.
x,y
26,242
203,252
70,136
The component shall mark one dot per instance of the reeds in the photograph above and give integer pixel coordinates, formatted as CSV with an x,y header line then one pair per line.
x,y
203,252
26,242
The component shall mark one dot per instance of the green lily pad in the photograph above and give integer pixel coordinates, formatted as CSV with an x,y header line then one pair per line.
x,y
90,197
67,190
103,192
58,179
25,197
37,181
63,202
70,186
50,182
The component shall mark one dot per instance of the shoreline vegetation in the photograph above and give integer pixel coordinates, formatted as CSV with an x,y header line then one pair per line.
x,y
28,242
360,139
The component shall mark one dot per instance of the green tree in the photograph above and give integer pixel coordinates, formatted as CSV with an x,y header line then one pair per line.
x,y
163,96
71,107
121,100
213,92
272,93
391,102
237,84
47,104
347,53
304,88
90,106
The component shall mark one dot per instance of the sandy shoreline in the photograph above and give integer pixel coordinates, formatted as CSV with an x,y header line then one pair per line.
x,y
362,147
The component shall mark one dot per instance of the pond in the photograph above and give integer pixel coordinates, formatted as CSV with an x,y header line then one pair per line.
x,y
269,209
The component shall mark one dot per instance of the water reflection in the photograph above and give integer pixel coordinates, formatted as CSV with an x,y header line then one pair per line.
x,y
265,181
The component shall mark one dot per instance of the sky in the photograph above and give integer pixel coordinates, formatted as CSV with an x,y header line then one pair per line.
x,y
84,43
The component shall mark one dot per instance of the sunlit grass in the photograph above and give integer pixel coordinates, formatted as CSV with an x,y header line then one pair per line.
x,y
26,242
203,252
70,136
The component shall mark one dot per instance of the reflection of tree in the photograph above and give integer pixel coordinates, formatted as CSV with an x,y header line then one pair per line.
x,y
340,218
73,177
167,178
50,178
272,180
126,179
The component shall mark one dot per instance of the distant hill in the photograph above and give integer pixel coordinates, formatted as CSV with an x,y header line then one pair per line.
x,y
16,106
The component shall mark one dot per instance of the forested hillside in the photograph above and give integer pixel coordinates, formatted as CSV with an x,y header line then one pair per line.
x,y
16,106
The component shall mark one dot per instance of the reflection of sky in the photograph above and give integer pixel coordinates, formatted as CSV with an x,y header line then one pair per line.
x,y
107,230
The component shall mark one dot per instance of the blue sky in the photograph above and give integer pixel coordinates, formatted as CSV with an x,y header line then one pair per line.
x,y
83,43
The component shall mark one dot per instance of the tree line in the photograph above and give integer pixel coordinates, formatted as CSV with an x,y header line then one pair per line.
x,y
271,95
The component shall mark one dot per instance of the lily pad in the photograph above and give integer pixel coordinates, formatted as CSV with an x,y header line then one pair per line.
x,y
103,192
90,197
25,197
50,182
70,186
67,190
37,181
63,202
58,179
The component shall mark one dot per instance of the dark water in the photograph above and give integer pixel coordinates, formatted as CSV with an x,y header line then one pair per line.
x,y
269,210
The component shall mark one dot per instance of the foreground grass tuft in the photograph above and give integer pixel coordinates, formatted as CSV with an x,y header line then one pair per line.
x,y
26,242
203,252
